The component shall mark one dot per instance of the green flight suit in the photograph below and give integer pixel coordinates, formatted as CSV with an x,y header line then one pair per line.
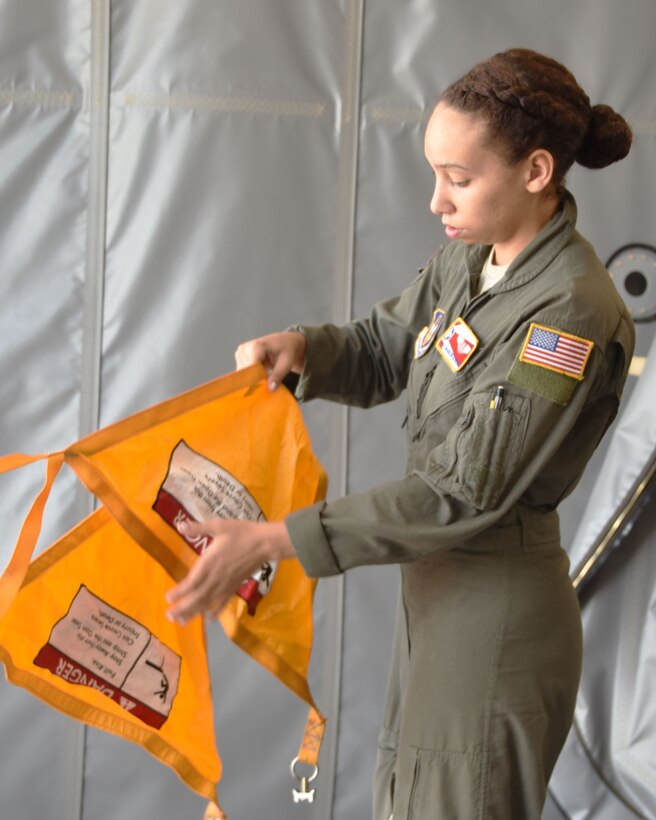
x,y
488,644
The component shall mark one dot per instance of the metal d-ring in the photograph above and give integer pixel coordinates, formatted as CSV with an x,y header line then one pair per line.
x,y
292,769
305,795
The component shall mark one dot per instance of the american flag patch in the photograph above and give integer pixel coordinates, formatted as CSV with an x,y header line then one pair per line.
x,y
555,350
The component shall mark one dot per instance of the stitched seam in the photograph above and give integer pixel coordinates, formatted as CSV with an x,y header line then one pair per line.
x,y
413,790
445,755
37,97
493,677
208,102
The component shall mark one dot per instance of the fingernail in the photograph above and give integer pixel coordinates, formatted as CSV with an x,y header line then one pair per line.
x,y
183,525
273,385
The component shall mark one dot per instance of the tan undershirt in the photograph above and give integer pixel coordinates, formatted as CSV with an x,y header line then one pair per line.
x,y
491,274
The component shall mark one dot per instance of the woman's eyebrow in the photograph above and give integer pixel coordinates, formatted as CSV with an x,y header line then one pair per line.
x,y
447,165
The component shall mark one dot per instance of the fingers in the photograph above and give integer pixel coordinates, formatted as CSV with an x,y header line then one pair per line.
x,y
195,529
231,556
249,353
192,584
194,594
280,353
282,367
268,351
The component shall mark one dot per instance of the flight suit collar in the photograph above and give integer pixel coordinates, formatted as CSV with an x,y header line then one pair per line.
x,y
535,257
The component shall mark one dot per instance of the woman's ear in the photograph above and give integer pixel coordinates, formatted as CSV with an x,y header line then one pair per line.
x,y
540,166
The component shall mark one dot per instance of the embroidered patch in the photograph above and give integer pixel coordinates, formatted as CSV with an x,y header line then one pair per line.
x,y
427,335
457,345
555,350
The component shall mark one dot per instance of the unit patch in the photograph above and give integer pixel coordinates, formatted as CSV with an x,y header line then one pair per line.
x,y
457,345
427,335
551,363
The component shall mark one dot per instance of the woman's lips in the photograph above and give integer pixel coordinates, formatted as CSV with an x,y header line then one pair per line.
x,y
452,233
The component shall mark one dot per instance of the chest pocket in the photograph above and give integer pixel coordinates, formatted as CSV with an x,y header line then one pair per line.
x,y
482,449
437,401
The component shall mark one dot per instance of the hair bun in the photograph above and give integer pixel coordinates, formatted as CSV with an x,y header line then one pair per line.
x,y
607,140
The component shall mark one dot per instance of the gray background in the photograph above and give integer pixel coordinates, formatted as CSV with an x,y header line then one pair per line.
x,y
177,177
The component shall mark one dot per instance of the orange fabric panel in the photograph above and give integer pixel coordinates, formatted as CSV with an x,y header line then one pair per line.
x,y
229,448
88,635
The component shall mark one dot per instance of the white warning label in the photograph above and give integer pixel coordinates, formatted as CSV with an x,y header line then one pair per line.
x,y
197,489
98,646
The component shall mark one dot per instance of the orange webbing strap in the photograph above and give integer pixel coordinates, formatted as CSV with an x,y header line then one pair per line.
x,y
213,812
312,738
16,460
12,578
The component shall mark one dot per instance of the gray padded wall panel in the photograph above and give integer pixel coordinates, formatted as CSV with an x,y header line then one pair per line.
x,y
220,166
44,136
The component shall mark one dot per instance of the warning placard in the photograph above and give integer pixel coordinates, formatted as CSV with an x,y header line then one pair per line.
x,y
98,646
197,489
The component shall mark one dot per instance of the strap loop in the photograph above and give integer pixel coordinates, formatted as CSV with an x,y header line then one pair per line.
x,y
12,578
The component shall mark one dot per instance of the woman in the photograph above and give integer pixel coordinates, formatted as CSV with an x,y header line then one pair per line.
x,y
513,346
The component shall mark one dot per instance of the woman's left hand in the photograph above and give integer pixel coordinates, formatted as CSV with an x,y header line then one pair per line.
x,y
237,549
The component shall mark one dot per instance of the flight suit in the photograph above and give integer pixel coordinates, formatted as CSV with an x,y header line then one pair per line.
x,y
487,651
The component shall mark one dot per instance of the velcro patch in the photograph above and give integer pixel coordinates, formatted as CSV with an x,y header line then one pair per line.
x,y
457,345
551,363
427,335
555,350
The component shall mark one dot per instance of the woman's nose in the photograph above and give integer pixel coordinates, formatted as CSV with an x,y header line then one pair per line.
x,y
440,202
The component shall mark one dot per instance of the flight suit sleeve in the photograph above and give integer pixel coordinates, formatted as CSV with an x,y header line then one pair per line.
x,y
367,361
532,448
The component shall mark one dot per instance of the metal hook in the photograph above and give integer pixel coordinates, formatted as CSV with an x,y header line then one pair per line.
x,y
305,795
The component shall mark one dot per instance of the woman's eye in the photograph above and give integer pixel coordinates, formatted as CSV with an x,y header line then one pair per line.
x,y
463,183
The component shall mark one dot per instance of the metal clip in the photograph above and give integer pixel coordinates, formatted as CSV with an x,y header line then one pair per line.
x,y
305,795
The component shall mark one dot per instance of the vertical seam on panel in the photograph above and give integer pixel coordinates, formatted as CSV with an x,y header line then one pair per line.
x,y
348,164
75,754
96,219
342,308
92,321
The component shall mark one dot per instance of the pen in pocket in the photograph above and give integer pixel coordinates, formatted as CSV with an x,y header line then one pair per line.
x,y
495,403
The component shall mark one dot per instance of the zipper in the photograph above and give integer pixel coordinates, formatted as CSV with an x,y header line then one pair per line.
x,y
424,388
442,407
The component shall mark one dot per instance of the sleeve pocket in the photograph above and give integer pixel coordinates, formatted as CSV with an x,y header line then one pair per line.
x,y
484,453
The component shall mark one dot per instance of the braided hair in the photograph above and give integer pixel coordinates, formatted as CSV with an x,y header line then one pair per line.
x,y
531,101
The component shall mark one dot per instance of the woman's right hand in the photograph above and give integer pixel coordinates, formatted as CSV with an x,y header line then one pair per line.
x,y
280,353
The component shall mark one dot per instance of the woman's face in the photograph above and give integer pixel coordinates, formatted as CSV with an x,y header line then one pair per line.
x,y
479,196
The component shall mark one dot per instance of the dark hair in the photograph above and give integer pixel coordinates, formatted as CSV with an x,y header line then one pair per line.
x,y
531,101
